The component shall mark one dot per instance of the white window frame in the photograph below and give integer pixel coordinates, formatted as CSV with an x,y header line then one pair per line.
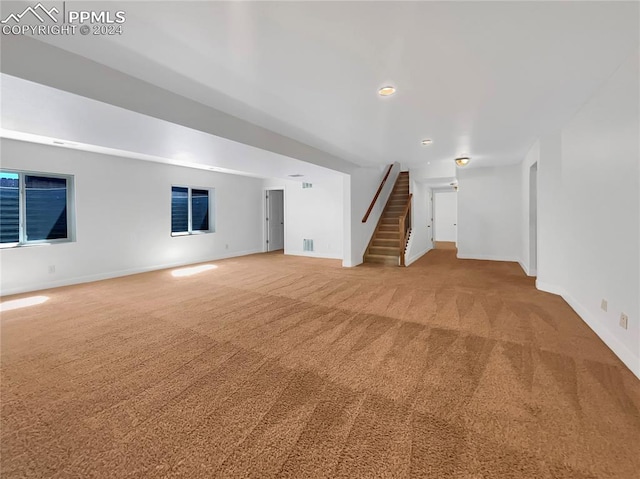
x,y
22,209
190,231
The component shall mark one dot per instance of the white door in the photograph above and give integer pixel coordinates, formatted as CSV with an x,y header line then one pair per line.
x,y
275,220
446,216
430,226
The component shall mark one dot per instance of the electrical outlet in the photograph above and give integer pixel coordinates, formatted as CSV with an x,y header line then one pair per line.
x,y
624,320
226,246
604,305
52,269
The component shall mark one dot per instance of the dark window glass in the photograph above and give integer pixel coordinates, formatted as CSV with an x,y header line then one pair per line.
x,y
9,207
200,210
45,208
179,209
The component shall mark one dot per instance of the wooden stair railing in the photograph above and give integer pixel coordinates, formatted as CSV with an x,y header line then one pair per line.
x,y
405,229
386,244
375,198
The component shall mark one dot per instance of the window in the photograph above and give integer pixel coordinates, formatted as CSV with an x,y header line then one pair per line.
x,y
190,210
34,208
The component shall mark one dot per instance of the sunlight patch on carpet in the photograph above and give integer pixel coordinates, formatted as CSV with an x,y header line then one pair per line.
x,y
22,303
178,273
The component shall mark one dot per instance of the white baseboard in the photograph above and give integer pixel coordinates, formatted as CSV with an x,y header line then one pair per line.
x,y
417,256
524,267
550,288
488,257
115,274
613,343
312,254
351,264
527,270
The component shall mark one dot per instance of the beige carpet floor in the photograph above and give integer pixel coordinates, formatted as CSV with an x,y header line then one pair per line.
x,y
281,367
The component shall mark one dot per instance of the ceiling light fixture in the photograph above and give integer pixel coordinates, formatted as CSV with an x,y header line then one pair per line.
x,y
386,91
426,142
463,161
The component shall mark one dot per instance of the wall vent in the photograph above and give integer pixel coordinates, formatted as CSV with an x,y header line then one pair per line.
x,y
307,185
307,245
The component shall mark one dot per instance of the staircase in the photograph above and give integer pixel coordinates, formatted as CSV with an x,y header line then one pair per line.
x,y
384,247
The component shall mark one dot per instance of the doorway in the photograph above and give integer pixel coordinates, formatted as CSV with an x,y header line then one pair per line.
x,y
533,220
445,209
275,220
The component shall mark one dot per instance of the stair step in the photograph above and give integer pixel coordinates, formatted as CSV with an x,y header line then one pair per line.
x,y
390,220
391,242
381,259
388,236
385,250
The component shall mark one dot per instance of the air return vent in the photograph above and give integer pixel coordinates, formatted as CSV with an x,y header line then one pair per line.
x,y
307,245
307,185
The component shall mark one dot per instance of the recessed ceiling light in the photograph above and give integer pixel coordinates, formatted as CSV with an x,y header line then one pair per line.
x,y
463,161
427,141
386,91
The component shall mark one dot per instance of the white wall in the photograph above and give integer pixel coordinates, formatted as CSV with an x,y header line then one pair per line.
x,y
552,265
123,218
489,213
532,157
359,190
312,213
589,212
420,239
445,215
434,170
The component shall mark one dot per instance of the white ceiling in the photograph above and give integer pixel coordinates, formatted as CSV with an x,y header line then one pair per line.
x,y
483,79
41,114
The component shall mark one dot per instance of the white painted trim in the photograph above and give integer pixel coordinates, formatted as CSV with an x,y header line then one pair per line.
x,y
550,288
347,263
311,254
527,271
524,267
618,348
485,257
116,274
417,256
